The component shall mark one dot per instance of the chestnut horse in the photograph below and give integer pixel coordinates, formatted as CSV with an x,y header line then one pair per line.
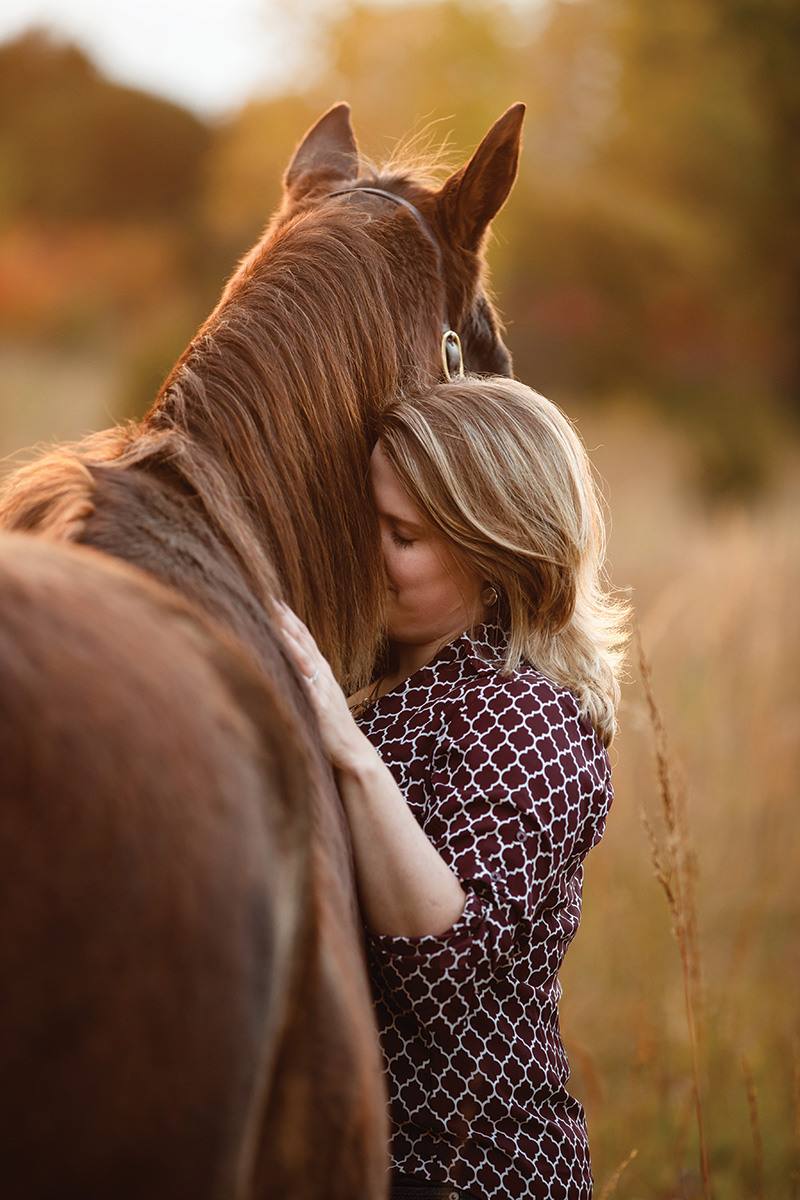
x,y
192,901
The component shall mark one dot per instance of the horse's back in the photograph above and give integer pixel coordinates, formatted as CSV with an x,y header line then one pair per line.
x,y
185,1011
122,492
153,829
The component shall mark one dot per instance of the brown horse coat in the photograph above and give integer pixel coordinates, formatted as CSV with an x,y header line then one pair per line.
x,y
155,849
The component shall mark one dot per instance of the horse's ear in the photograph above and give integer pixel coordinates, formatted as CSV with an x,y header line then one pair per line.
x,y
327,152
475,194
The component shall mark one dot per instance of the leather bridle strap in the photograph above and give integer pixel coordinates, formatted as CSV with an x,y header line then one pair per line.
x,y
452,356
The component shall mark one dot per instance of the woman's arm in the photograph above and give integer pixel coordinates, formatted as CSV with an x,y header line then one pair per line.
x,y
406,889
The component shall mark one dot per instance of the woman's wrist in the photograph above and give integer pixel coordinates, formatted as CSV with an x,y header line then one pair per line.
x,y
358,759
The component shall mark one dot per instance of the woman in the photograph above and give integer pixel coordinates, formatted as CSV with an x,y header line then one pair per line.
x,y
475,780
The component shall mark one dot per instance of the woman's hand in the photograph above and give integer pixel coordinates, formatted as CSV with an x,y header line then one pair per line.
x,y
405,888
345,744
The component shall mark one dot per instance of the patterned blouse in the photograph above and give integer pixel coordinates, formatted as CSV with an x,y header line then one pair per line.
x,y
512,787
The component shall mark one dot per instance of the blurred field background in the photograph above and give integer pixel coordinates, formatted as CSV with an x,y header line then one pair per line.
x,y
648,269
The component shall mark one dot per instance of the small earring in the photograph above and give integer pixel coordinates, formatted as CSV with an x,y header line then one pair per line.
x,y
489,596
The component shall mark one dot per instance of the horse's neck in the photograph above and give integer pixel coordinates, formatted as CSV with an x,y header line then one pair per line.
x,y
281,392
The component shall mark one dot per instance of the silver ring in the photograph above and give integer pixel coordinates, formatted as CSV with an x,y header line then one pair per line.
x,y
313,678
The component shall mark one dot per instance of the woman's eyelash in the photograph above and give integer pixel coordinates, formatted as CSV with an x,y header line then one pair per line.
x,y
399,541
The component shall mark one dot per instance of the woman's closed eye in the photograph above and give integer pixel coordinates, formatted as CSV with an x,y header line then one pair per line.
x,y
401,541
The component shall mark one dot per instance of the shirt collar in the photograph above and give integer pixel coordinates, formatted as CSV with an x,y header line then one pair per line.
x,y
484,647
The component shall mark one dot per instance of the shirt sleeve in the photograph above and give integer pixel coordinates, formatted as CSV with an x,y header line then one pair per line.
x,y
518,793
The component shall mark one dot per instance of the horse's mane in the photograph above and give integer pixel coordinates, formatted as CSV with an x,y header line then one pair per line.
x,y
263,412
284,383
421,155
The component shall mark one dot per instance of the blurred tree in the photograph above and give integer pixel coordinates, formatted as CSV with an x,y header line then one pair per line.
x,y
405,65
75,146
766,37
694,154
246,164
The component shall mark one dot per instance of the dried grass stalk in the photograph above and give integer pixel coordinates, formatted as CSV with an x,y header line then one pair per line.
x,y
675,867
794,1190
755,1126
611,1186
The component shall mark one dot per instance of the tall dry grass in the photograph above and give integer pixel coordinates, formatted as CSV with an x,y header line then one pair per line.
x,y
675,866
682,992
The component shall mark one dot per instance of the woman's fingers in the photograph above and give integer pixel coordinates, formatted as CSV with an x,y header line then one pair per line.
x,y
343,741
290,619
302,659
291,624
300,643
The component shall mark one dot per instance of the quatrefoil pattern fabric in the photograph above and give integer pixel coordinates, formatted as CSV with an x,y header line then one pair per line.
x,y
513,787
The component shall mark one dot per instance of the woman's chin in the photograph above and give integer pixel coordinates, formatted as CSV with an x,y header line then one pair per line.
x,y
405,633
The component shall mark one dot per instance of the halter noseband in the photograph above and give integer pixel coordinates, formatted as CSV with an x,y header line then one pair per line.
x,y
452,357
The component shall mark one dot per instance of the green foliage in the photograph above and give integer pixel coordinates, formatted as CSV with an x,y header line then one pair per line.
x,y
408,64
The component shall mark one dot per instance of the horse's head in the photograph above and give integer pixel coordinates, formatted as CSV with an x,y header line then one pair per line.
x,y
340,304
437,232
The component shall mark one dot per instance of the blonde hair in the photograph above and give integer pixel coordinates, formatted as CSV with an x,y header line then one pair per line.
x,y
502,474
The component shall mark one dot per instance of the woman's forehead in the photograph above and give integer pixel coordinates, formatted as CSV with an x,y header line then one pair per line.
x,y
390,497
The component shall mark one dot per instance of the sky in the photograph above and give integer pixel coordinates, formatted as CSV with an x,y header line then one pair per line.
x,y
209,55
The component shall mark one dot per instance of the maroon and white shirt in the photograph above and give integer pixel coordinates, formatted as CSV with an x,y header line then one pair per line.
x,y
512,786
